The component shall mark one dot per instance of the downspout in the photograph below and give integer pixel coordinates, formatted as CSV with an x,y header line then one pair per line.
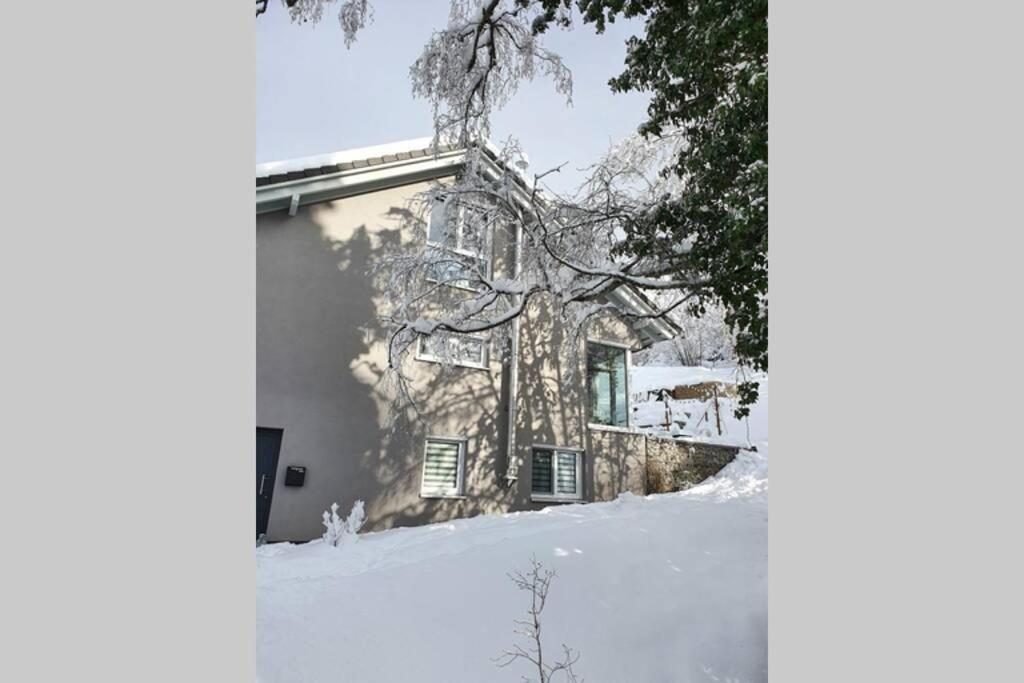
x,y
512,465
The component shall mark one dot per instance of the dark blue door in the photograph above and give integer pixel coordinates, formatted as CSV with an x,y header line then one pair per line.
x,y
268,447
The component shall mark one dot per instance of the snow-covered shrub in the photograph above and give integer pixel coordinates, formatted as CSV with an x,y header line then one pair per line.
x,y
341,530
356,519
335,525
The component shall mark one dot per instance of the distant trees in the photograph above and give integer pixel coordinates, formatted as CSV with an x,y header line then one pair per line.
x,y
706,340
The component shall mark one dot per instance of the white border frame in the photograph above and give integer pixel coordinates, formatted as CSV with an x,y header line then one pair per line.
x,y
458,250
629,369
463,444
485,365
556,497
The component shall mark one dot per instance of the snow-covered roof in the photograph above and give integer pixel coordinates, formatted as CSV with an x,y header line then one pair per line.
x,y
273,172
340,157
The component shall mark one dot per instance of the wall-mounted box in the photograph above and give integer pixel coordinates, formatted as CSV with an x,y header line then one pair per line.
x,y
295,475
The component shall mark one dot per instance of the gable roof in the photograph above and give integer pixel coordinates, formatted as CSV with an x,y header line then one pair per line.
x,y
306,180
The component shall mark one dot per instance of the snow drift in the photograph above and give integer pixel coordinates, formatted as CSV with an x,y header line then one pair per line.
x,y
660,588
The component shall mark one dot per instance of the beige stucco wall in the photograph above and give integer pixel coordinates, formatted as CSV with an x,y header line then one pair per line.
x,y
553,406
321,355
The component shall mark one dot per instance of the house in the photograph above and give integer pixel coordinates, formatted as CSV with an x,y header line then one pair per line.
x,y
507,429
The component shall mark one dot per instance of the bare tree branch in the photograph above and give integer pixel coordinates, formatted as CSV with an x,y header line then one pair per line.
x,y
538,582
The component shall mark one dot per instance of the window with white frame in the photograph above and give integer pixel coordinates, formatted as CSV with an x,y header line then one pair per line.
x,y
557,474
444,462
606,381
469,350
459,248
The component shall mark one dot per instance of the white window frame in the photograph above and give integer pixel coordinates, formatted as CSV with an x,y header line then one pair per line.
x,y
558,497
427,357
459,250
629,371
459,491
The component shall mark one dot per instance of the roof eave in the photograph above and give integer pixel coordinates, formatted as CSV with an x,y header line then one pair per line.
x,y
369,178
652,329
397,164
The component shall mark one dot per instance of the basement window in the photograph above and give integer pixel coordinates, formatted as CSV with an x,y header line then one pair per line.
x,y
444,464
557,474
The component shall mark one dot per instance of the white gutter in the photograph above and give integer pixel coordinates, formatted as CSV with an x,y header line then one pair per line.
x,y
343,156
354,181
658,328
512,465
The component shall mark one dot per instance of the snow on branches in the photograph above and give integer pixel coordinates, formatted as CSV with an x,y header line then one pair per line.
x,y
486,246
677,212
475,64
353,15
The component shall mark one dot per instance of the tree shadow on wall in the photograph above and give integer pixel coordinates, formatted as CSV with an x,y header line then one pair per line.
x,y
321,360
554,405
321,364
456,402
311,297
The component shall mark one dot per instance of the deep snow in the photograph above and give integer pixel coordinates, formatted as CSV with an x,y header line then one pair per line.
x,y
744,433
658,588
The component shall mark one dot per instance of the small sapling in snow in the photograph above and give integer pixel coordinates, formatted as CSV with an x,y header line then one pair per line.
x,y
537,581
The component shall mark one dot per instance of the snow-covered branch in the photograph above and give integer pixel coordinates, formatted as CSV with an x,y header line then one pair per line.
x,y
482,249
353,15
475,64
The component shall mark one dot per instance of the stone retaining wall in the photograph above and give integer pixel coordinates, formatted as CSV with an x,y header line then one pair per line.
x,y
676,464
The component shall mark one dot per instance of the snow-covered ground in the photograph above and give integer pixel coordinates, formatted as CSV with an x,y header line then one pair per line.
x,y
646,377
659,588
747,432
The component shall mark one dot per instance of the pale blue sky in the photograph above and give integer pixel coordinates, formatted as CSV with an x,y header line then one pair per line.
x,y
314,96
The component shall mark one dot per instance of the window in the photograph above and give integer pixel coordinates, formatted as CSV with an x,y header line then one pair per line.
x,y
442,229
606,378
460,349
443,465
557,474
458,249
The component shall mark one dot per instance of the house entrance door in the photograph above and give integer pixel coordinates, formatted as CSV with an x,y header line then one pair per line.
x,y
268,448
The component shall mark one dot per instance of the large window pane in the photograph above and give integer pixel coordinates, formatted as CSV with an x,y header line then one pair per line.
x,y
456,268
473,232
442,230
556,475
566,473
606,377
542,472
458,249
468,350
